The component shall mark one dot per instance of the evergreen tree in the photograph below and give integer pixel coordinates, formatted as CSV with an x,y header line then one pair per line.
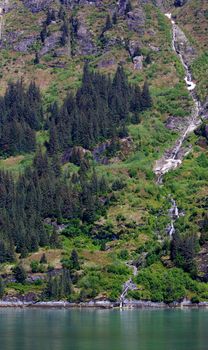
x,y
61,13
48,17
128,7
43,33
137,52
136,104
53,15
148,59
6,252
65,33
43,259
54,239
20,274
53,146
108,24
183,251
114,18
60,286
74,260
36,59
23,252
146,98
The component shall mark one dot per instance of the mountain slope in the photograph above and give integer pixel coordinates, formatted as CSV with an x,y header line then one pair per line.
x,y
85,203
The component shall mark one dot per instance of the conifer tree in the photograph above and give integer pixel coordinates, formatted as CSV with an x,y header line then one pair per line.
x,y
148,59
36,59
108,24
48,17
54,239
128,7
43,33
74,260
114,18
61,13
20,274
43,259
146,98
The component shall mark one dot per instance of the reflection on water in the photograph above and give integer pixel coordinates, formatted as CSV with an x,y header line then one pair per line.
x,y
103,329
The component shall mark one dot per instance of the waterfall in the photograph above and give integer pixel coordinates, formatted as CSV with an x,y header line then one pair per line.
x,y
172,158
174,215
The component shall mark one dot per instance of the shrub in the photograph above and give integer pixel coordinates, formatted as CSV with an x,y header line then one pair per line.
x,y
36,267
19,274
117,269
124,255
118,185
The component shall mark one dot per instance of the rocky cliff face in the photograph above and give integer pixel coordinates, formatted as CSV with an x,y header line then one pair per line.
x,y
183,46
37,5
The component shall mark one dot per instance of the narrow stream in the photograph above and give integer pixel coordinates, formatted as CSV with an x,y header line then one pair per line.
x,y
174,215
172,158
128,285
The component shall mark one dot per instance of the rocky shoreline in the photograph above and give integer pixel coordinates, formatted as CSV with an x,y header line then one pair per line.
x,y
100,304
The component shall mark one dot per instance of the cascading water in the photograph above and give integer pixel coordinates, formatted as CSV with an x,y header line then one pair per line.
x,y
171,159
174,215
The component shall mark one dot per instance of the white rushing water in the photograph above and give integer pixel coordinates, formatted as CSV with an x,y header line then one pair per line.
x,y
171,159
128,285
174,215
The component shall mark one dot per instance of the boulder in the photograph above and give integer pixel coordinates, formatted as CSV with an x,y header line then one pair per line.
x,y
133,45
138,62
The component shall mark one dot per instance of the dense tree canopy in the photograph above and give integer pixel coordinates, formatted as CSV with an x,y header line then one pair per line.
x,y
99,110
20,116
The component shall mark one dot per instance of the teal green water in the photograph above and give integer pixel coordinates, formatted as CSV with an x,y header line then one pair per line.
x,y
103,329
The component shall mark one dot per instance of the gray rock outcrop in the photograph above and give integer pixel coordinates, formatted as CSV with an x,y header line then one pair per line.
x,y
84,40
183,47
136,20
37,5
138,62
50,43
24,44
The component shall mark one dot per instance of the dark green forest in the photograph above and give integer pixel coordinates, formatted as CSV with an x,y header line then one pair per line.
x,y
100,110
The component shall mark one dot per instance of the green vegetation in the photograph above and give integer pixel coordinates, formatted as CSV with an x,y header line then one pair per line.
x,y
200,69
78,196
169,285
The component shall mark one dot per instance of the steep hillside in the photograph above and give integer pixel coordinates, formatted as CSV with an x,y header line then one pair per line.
x,y
92,94
193,18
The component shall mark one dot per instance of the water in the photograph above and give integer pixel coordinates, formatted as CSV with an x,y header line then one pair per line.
x,y
174,215
171,159
47,329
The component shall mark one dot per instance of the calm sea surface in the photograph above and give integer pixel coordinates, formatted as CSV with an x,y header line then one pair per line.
x,y
54,329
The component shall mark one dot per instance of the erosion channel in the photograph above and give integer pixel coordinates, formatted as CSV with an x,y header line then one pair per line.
x,y
173,157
